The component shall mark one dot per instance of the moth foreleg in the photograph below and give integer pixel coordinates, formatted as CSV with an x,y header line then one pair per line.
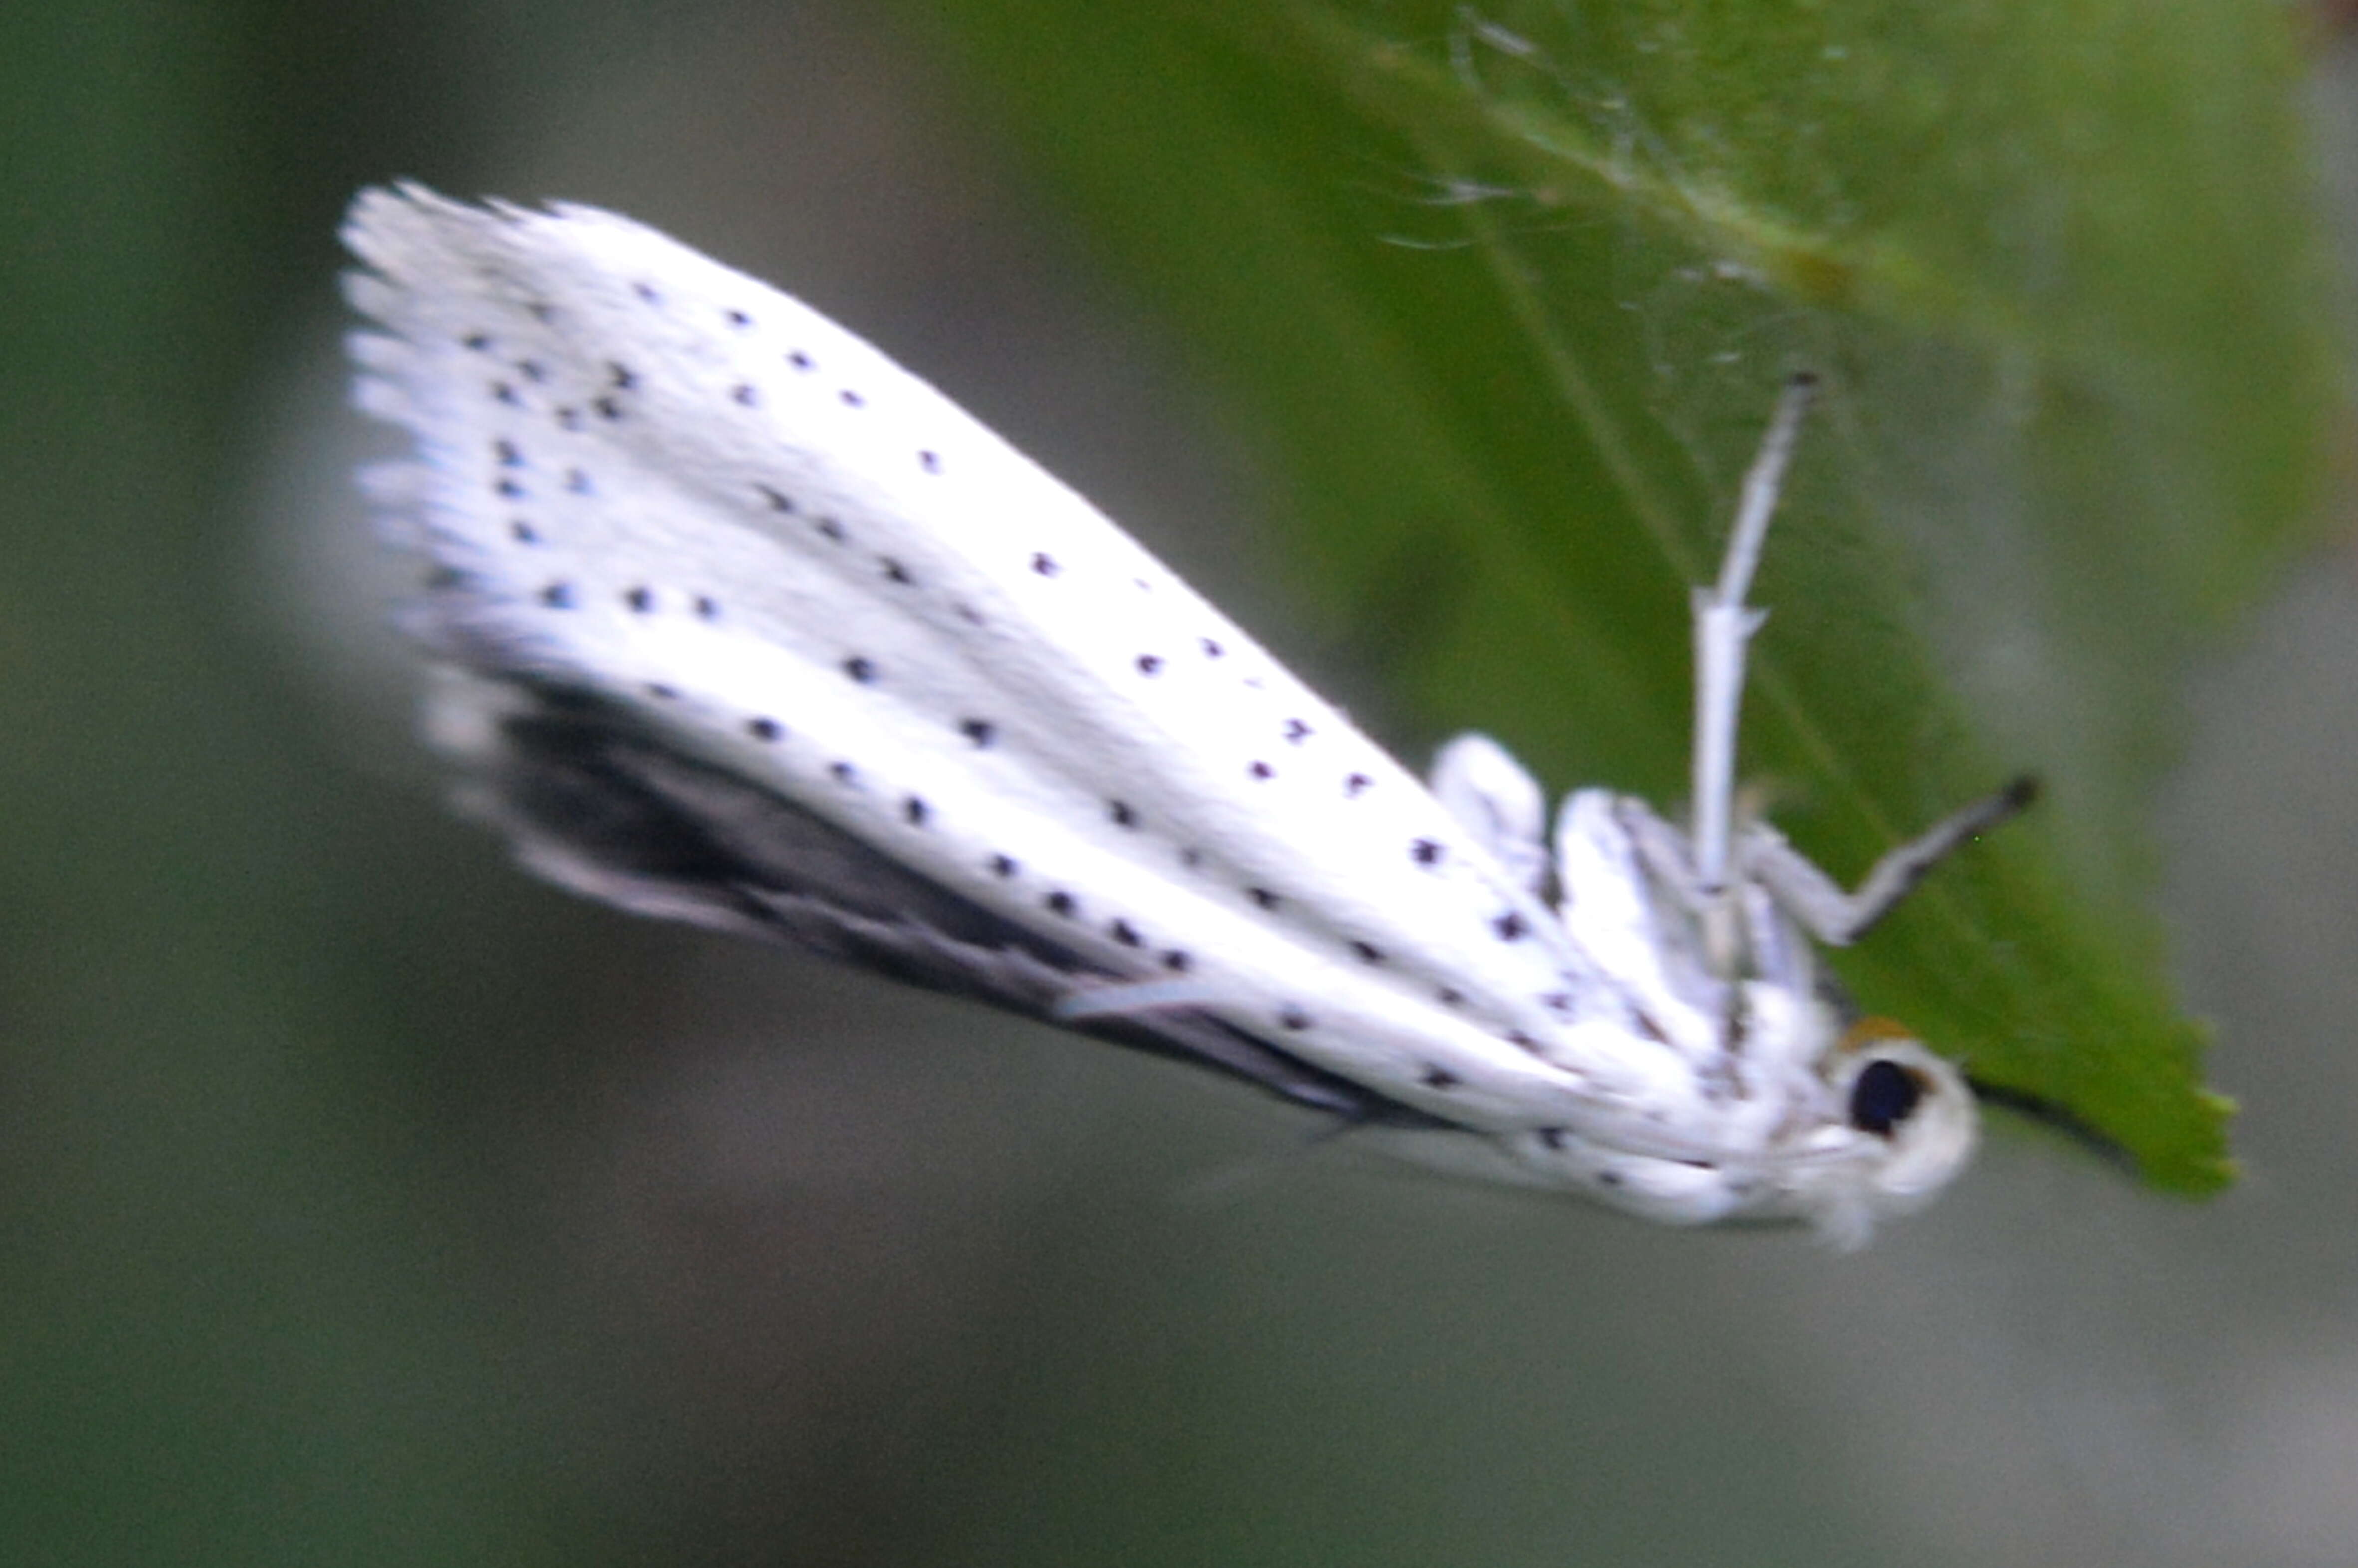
x,y
1723,623
1840,917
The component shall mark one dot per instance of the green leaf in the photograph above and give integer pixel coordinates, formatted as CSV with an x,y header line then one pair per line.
x,y
1503,298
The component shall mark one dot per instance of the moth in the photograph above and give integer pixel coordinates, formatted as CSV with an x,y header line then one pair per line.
x,y
740,624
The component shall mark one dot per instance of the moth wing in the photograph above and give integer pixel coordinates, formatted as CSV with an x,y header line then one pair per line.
x,y
655,487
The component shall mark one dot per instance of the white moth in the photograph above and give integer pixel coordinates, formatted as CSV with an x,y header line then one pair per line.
x,y
746,625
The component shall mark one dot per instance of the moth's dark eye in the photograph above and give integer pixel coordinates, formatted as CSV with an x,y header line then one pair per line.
x,y
1883,1096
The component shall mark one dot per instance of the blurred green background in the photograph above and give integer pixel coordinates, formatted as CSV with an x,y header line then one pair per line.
x,y
363,1201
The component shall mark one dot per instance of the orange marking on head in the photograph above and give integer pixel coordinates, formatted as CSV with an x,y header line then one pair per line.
x,y
1869,1029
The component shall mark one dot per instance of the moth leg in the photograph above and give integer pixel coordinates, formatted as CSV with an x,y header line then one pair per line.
x,y
1838,917
1662,849
1723,623
1496,800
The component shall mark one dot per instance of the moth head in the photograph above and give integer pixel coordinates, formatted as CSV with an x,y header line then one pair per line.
x,y
1911,1122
